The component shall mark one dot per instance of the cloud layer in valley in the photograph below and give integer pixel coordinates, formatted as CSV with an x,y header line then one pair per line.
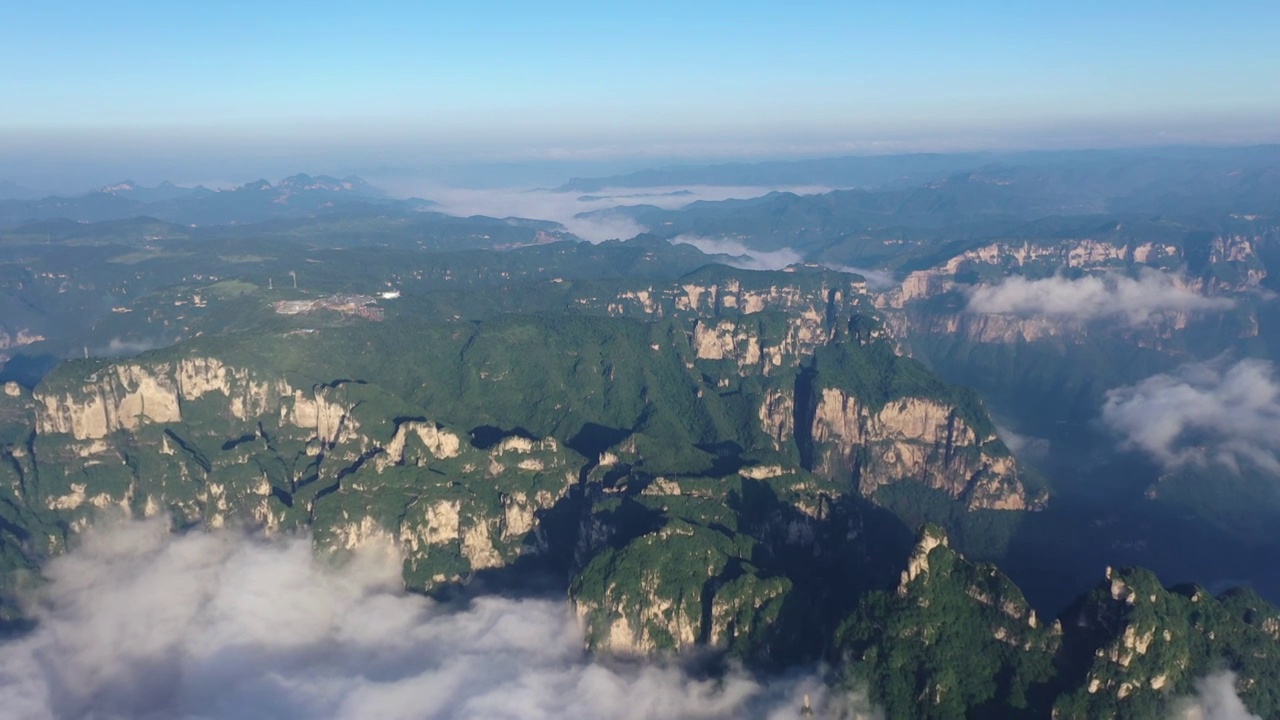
x,y
138,623
1214,411
120,347
877,280
1024,446
741,256
1111,295
571,208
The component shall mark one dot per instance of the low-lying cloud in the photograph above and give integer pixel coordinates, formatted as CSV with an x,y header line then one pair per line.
x,y
1110,295
121,347
139,623
1213,411
740,256
1024,446
1216,699
571,208
877,280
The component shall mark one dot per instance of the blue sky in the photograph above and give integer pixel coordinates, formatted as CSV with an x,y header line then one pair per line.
x,y
507,80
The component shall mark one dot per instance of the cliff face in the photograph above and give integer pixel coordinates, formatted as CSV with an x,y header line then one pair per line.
x,y
1225,266
735,562
129,395
220,444
719,292
771,328
762,321
13,339
910,438
667,449
646,604
756,347
916,438
1228,262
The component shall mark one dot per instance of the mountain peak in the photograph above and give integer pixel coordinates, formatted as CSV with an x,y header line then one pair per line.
x,y
119,187
303,181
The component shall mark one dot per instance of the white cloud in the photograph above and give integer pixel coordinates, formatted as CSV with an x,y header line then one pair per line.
x,y
1215,699
1024,446
1202,412
877,280
740,256
138,623
567,207
119,347
1096,296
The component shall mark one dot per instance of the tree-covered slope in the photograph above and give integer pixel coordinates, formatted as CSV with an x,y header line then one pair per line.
x,y
958,639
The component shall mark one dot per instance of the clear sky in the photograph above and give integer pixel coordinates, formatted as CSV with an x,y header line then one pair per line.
x,y
513,80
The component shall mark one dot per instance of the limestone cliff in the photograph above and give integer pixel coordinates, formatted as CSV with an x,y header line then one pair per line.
x,y
909,438
218,444
13,339
758,348
662,465
129,395
1223,267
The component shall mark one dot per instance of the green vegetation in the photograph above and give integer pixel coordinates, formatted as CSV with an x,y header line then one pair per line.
x,y
877,375
957,639
641,427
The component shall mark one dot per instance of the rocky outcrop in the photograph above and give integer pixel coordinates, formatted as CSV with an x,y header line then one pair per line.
x,y
777,417
12,340
672,589
914,438
219,445
918,564
753,349
989,328
944,607
434,439
1228,267
717,293
129,395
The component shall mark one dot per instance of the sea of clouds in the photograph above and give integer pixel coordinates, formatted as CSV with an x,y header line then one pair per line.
x,y
583,214
141,623
597,217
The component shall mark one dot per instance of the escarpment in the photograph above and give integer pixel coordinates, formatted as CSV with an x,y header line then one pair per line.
x,y
129,395
1225,270
694,460
916,438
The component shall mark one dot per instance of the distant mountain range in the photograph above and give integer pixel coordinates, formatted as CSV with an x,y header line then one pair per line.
x,y
295,196
1073,193
1166,166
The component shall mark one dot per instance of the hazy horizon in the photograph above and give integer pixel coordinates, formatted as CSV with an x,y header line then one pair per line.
x,y
81,175
152,91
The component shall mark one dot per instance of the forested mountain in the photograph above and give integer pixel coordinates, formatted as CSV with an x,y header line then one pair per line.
x,y
959,477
